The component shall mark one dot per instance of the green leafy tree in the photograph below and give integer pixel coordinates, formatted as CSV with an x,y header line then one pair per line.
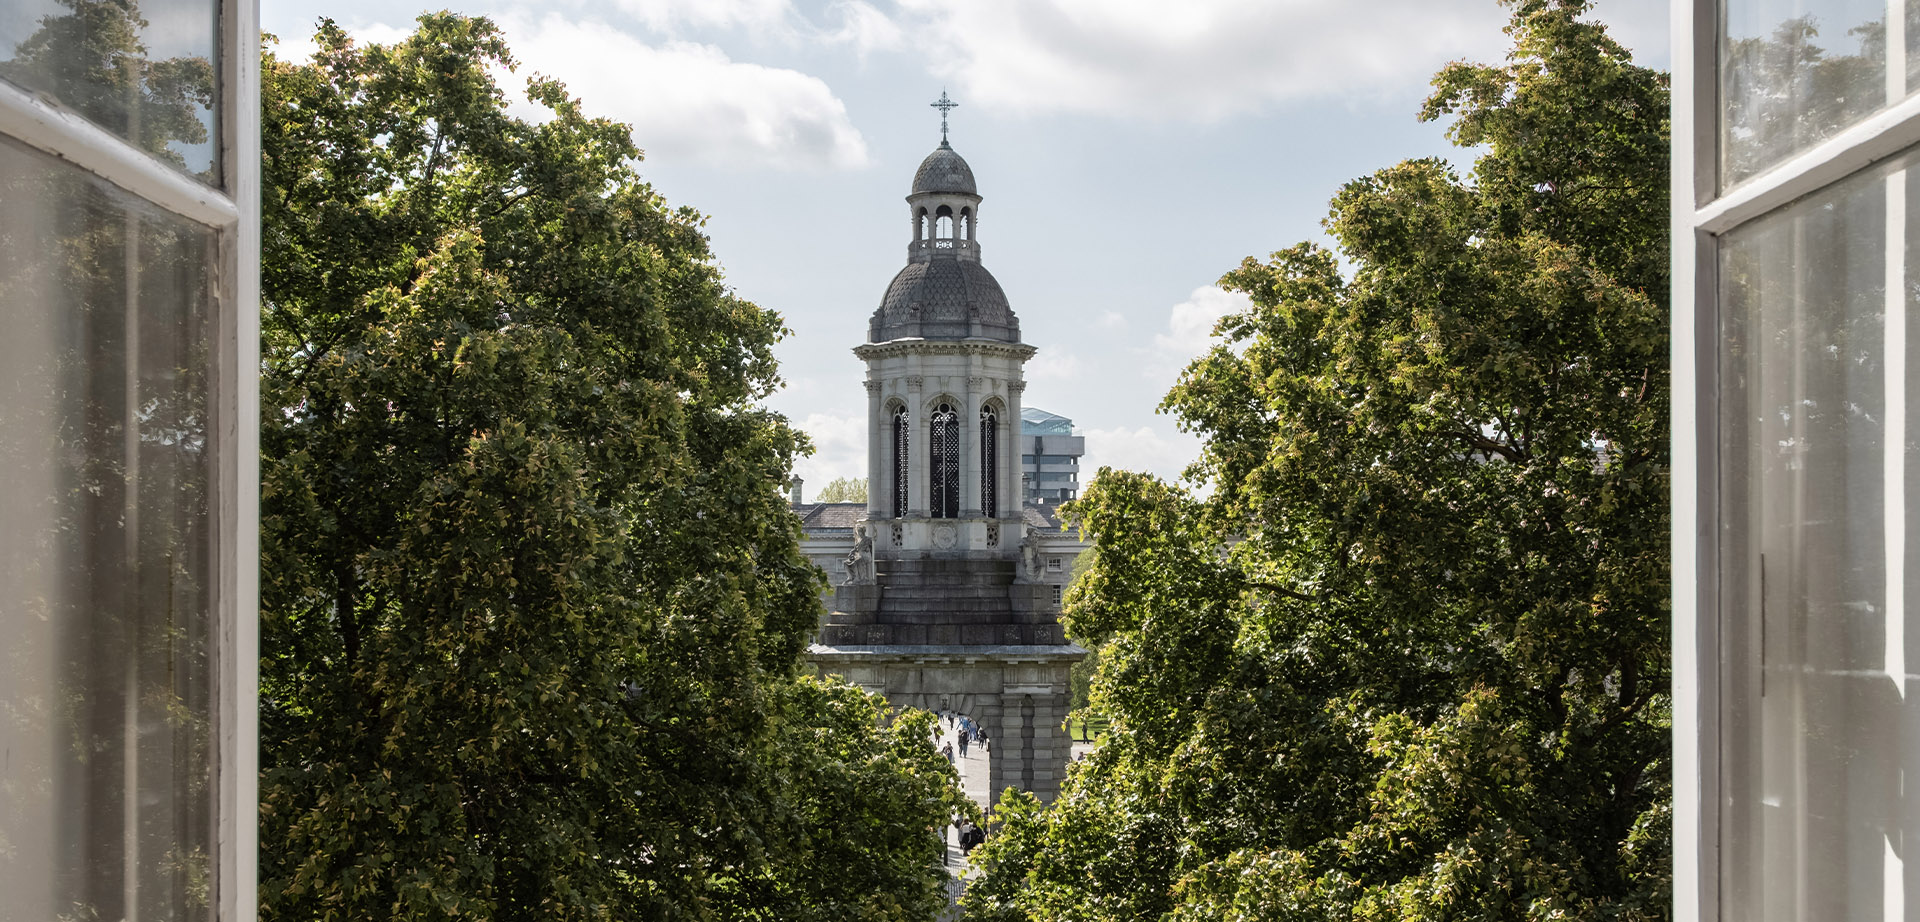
x,y
1407,659
844,490
531,605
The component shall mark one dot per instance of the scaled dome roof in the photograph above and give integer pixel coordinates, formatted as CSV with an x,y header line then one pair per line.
x,y
944,299
944,171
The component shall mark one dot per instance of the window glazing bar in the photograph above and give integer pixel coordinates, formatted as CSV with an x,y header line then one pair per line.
x,y
1877,138
32,120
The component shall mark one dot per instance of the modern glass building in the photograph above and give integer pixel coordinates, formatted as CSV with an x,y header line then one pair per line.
x,y
1796,386
129,240
1049,457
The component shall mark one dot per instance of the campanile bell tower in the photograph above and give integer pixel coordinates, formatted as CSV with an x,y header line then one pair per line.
x,y
945,604
944,359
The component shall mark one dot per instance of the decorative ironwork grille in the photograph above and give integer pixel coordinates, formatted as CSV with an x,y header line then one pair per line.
x,y
944,439
899,462
989,470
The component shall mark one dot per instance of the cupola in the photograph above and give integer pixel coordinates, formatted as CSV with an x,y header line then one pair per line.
x,y
944,292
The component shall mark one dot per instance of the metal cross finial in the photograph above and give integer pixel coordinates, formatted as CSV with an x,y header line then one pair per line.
x,y
944,105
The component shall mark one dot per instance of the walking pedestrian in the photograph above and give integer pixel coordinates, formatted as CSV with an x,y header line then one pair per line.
x,y
963,742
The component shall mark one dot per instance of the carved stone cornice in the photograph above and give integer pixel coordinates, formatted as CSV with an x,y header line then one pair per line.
x,y
898,347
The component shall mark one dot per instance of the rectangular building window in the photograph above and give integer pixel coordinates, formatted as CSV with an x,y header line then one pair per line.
x,y
129,163
1794,447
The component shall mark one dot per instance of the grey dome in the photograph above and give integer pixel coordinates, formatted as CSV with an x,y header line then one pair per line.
x,y
944,299
944,171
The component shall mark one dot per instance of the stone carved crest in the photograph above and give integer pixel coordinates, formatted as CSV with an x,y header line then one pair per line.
x,y
945,536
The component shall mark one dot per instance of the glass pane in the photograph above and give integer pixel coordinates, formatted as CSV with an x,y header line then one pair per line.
x,y
106,793
1817,715
1795,72
144,71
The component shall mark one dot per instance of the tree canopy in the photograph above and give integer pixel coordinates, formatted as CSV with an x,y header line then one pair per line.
x,y
844,490
1406,659
531,600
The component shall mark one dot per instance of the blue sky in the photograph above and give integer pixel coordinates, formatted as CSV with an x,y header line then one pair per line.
x,y
1129,152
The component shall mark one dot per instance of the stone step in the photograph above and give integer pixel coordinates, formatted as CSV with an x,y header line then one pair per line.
x,y
921,608
947,579
945,635
936,595
938,568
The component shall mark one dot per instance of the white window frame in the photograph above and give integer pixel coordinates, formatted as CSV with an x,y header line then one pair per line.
x,y
1702,214
232,212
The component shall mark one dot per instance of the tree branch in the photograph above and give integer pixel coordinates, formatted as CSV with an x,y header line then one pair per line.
x,y
1282,590
1490,446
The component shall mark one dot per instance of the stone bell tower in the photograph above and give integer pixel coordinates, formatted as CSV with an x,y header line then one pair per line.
x,y
944,606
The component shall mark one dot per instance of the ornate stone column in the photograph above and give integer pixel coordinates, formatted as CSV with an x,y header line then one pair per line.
x,y
879,445
970,445
917,483
1011,499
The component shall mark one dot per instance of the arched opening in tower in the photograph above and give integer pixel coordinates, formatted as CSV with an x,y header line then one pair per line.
x,y
944,440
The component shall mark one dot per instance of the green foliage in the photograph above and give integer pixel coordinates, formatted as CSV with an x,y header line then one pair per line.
x,y
531,603
844,490
1080,677
1407,659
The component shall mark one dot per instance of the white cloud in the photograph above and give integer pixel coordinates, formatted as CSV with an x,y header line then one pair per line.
x,y
1112,322
665,15
863,27
1053,363
300,48
1190,324
1143,449
1199,59
839,449
691,102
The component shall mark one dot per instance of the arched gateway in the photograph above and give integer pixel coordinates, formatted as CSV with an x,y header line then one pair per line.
x,y
946,588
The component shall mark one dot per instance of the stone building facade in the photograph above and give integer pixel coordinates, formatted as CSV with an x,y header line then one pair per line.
x,y
946,584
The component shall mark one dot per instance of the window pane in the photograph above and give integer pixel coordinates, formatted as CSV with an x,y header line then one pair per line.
x,y
1816,717
105,673
1795,72
144,71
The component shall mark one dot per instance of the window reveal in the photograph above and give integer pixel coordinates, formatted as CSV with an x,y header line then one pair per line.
x,y
944,440
899,462
988,469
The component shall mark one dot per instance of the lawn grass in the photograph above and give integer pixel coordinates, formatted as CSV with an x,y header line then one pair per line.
x,y
1082,727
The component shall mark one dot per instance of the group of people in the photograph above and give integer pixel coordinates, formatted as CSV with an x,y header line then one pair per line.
x,y
965,732
970,835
